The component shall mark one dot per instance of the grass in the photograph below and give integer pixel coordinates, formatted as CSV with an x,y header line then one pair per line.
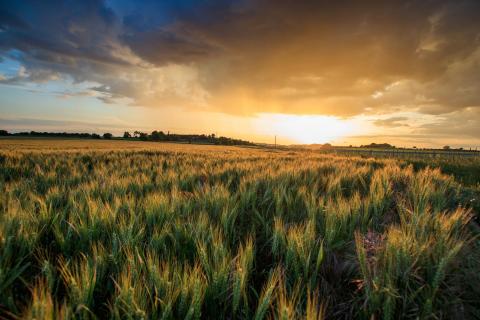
x,y
188,232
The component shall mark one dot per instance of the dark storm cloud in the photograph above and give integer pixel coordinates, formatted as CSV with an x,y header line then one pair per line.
x,y
314,57
54,32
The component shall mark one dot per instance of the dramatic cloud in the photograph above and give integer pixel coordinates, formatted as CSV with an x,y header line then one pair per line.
x,y
460,124
392,122
341,58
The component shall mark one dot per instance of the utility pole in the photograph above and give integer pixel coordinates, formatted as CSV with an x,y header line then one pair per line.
x,y
275,142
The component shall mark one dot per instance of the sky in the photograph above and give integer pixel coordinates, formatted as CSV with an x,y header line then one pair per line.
x,y
344,72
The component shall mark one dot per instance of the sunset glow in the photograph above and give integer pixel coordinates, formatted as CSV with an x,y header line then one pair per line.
x,y
307,129
306,71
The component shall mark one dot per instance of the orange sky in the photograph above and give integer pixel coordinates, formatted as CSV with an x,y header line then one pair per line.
x,y
345,72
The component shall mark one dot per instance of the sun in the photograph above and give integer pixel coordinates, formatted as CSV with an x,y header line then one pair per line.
x,y
306,129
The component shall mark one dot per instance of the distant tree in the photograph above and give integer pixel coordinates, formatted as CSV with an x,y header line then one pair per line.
x,y
143,136
327,145
446,148
95,136
378,146
3,133
157,135
127,135
107,135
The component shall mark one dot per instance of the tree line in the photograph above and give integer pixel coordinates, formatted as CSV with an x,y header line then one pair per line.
x,y
186,138
138,135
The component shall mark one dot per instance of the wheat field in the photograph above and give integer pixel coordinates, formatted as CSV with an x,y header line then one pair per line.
x,y
138,230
